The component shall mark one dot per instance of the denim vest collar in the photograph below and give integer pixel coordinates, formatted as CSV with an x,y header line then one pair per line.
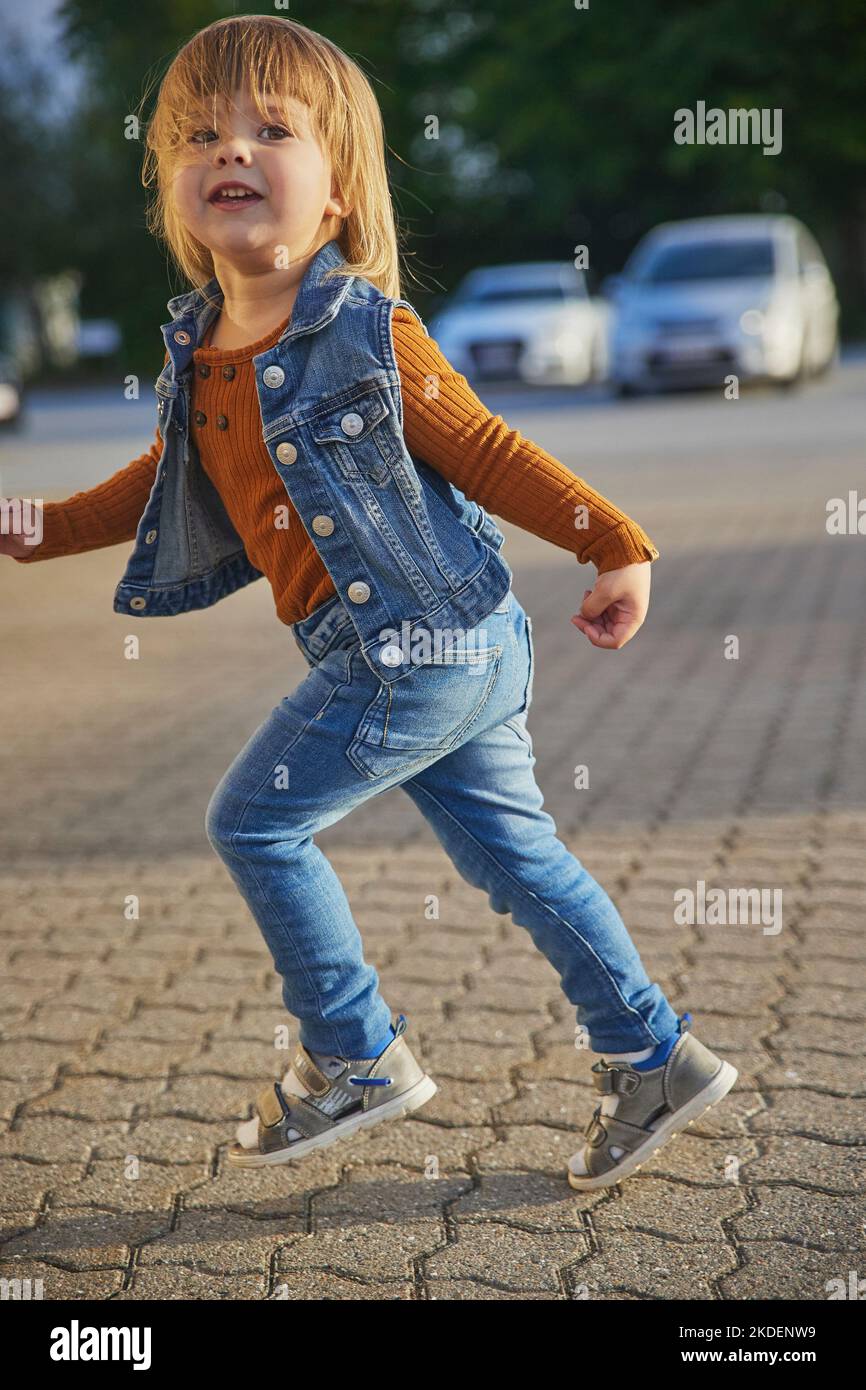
x,y
318,301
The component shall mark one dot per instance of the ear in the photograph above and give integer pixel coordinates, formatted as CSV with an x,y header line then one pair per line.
x,y
337,205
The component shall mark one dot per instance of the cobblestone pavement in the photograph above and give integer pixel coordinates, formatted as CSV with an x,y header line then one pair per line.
x,y
130,1048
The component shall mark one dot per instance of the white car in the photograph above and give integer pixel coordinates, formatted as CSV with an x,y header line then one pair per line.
x,y
703,299
533,321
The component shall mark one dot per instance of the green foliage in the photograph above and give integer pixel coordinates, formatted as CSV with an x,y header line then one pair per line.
x,y
555,127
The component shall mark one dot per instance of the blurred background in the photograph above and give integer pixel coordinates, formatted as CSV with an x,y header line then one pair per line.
x,y
518,134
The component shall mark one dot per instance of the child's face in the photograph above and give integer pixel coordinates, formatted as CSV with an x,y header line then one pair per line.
x,y
296,207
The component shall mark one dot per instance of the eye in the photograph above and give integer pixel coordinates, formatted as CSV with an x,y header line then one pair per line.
x,y
283,132
194,138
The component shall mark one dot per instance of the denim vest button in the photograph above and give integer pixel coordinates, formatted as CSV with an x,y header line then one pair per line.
x,y
391,656
351,424
138,603
323,525
287,453
182,337
358,591
273,376
150,538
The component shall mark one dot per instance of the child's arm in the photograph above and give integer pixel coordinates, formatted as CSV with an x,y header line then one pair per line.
x,y
104,515
446,424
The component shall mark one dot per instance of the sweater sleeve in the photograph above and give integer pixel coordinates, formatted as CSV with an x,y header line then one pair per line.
x,y
447,426
104,515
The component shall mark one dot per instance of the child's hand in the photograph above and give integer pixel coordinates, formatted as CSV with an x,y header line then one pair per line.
x,y
11,543
614,609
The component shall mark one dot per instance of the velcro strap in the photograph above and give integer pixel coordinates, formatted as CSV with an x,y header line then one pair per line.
x,y
608,1080
268,1107
306,1071
617,1133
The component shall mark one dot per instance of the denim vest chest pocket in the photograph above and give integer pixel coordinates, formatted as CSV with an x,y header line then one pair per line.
x,y
360,432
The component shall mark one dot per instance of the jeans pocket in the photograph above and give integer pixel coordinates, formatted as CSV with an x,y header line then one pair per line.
x,y
426,712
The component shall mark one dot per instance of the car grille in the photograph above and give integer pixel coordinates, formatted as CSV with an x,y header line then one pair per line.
x,y
678,327
496,357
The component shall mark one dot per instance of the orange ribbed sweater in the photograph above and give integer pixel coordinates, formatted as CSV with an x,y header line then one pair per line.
x,y
444,423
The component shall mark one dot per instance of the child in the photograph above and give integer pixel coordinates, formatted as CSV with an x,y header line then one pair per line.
x,y
311,431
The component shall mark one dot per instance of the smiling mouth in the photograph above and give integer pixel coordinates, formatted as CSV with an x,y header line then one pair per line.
x,y
233,199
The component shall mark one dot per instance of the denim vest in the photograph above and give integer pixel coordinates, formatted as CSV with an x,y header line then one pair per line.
x,y
406,550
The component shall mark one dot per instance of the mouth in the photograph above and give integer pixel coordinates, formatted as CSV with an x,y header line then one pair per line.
x,y
231,197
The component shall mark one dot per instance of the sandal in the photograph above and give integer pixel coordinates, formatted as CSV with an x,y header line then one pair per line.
x,y
646,1109
360,1094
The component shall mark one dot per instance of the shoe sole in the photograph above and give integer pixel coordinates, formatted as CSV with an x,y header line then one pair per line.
x,y
412,1099
715,1091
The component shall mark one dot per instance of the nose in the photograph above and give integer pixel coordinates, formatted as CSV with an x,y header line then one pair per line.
x,y
232,150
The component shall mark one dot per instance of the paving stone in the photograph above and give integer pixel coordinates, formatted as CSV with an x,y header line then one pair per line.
x,y
97,1098
177,1282
386,1192
839,1119
58,1139
803,1216
505,1256
86,1239
535,1201
58,1027
417,1143
835,1035
469,1061
364,1249
105,1184
649,1266
844,1004
466,1290
825,1070
530,1147
320,1285
779,1270
128,1058
671,1209
790,1158
23,1185
221,1242
60,1284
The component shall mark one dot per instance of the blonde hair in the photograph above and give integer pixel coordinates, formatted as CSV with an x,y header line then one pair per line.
x,y
277,57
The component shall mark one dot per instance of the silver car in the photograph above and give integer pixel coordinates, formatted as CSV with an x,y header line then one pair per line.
x,y
534,322
703,299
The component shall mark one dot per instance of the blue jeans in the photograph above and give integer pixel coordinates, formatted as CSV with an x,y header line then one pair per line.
x,y
452,733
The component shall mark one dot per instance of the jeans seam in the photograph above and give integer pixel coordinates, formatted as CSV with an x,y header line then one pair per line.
x,y
424,792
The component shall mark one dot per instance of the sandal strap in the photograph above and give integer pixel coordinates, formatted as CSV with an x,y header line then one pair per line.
x,y
608,1130
316,1082
609,1079
272,1107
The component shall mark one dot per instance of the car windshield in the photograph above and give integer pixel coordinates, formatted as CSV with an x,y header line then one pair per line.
x,y
709,260
500,292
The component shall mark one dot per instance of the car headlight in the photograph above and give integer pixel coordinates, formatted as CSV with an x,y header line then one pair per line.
x,y
753,322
